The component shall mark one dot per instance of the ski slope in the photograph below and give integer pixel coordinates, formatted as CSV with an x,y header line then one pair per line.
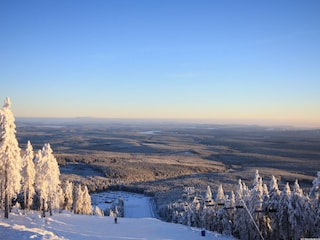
x,y
84,227
135,205
138,223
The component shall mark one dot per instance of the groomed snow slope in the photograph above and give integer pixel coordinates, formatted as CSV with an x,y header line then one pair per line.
x,y
82,227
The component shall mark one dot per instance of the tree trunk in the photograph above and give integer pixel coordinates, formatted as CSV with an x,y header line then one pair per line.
x,y
43,208
25,199
6,195
50,207
6,205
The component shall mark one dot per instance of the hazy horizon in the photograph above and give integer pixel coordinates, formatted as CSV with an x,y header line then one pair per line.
x,y
248,62
261,123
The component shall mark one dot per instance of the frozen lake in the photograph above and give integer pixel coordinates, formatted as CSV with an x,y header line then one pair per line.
x,y
135,205
150,132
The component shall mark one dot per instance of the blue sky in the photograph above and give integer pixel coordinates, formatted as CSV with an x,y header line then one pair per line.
x,y
256,61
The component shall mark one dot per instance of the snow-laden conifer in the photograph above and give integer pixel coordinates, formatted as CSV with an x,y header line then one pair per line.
x,y
77,199
97,211
47,178
10,158
273,207
315,189
53,177
220,197
241,217
67,188
256,178
315,200
81,200
299,212
208,194
283,213
255,203
295,209
28,176
86,202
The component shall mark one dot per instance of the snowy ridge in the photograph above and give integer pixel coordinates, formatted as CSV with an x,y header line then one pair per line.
x,y
84,227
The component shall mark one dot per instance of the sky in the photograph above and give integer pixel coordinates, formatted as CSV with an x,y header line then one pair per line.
x,y
246,61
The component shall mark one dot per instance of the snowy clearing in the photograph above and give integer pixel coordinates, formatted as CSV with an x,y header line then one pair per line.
x,y
84,227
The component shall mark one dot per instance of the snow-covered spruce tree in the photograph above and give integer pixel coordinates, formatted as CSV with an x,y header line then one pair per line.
x,y
98,212
86,204
77,199
10,158
53,178
208,194
315,200
230,207
265,218
67,188
273,208
299,211
28,176
256,178
255,208
81,200
222,220
283,213
208,217
220,197
40,184
241,218
47,179
194,213
315,189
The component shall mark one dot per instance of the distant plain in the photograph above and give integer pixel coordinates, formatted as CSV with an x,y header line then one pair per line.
x,y
160,158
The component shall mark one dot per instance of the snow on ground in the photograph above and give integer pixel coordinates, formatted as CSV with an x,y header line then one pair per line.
x,y
135,205
83,227
138,224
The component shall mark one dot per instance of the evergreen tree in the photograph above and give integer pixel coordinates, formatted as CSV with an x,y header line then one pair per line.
x,y
81,200
67,188
98,212
315,189
41,183
10,158
273,207
208,194
298,215
315,200
241,216
256,178
52,176
28,176
255,207
77,199
220,197
283,213
264,217
86,202
47,179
